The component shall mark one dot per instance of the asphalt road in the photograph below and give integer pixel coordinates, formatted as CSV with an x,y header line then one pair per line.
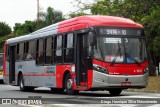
x,y
87,98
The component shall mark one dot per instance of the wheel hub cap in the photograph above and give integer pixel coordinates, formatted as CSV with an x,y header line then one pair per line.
x,y
69,84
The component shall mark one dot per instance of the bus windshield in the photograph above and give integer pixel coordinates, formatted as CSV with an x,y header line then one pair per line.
x,y
121,50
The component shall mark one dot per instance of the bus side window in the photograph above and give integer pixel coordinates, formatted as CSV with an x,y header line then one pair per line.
x,y
20,51
7,53
58,49
69,48
26,49
48,50
31,50
17,52
40,53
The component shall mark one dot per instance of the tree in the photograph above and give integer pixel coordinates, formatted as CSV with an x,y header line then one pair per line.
x,y
132,9
25,28
83,5
152,31
4,29
51,16
72,15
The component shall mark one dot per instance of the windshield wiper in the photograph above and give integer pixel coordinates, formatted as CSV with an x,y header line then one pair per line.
x,y
133,59
118,50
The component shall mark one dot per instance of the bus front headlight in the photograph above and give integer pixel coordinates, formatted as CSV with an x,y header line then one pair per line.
x,y
100,69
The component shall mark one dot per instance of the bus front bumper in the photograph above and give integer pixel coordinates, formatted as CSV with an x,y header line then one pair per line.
x,y
101,80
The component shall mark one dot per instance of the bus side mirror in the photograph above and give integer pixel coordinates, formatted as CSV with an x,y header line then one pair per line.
x,y
92,38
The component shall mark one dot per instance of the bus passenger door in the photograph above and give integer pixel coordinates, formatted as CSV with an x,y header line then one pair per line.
x,y
12,64
81,60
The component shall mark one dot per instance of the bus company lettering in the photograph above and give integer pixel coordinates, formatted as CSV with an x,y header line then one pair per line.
x,y
51,69
49,84
20,66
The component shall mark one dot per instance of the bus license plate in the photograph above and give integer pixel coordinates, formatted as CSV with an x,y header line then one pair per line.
x,y
125,83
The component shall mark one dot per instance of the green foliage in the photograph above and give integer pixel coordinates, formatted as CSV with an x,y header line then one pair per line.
x,y
40,24
3,39
156,44
72,15
152,29
4,29
25,28
52,16
132,9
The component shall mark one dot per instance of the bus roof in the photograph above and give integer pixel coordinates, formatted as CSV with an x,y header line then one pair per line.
x,y
77,24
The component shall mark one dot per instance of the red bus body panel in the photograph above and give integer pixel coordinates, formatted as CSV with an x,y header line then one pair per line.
x,y
87,21
123,69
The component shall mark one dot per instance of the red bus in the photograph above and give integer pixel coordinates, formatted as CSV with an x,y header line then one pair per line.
x,y
83,53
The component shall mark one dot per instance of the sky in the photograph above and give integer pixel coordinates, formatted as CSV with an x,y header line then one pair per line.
x,y
17,11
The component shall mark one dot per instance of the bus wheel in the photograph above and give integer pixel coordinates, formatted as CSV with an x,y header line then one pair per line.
x,y
29,89
57,90
68,85
21,83
1,82
115,92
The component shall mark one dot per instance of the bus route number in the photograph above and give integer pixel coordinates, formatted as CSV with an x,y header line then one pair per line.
x,y
116,32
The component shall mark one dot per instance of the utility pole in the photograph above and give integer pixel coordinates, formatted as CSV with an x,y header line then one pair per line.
x,y
37,13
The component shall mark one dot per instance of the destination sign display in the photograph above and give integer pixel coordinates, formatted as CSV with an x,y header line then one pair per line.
x,y
109,31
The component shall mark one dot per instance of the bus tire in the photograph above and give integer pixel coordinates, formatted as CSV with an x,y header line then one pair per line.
x,y
68,85
29,89
1,82
115,92
21,83
57,90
